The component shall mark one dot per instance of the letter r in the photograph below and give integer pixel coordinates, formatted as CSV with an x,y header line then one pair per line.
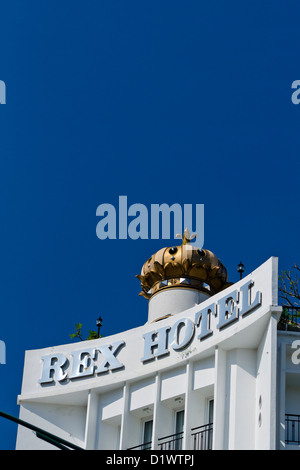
x,y
53,366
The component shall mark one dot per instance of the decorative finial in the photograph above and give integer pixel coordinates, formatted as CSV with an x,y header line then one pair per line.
x,y
186,238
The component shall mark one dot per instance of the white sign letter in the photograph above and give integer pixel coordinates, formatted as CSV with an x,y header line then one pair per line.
x,y
248,303
228,311
109,352
83,363
176,342
204,316
155,339
53,366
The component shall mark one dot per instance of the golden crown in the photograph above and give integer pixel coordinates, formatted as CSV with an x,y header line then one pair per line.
x,y
183,266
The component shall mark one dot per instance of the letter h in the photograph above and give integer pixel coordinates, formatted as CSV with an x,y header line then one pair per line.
x,y
155,339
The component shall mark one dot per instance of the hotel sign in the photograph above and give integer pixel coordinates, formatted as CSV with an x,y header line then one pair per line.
x,y
218,315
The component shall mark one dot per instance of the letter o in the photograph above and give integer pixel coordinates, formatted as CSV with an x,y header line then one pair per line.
x,y
175,342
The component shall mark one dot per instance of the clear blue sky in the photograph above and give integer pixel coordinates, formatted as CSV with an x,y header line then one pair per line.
x,y
162,101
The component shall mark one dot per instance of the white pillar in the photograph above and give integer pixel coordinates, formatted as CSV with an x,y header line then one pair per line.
x,y
219,399
188,406
281,395
125,418
91,420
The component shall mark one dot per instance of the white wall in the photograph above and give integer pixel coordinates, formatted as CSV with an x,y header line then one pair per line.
x,y
65,421
240,403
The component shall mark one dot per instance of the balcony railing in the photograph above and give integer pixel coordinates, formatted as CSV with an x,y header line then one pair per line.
x,y
292,429
202,437
171,442
145,446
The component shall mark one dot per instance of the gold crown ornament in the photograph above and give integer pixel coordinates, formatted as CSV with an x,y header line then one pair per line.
x,y
184,266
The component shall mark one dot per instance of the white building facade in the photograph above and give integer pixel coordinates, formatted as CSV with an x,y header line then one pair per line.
x,y
209,369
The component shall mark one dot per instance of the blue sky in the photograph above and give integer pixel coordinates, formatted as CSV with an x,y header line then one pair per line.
x,y
161,101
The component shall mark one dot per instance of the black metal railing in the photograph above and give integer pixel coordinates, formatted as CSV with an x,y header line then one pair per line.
x,y
292,429
202,437
145,446
171,442
290,318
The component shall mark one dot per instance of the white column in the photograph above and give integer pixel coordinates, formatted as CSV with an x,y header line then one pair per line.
x,y
155,435
91,420
219,399
188,406
243,414
124,420
162,416
265,422
273,365
281,401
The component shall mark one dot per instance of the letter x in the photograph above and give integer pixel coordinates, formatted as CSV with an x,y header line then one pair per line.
x,y
110,361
